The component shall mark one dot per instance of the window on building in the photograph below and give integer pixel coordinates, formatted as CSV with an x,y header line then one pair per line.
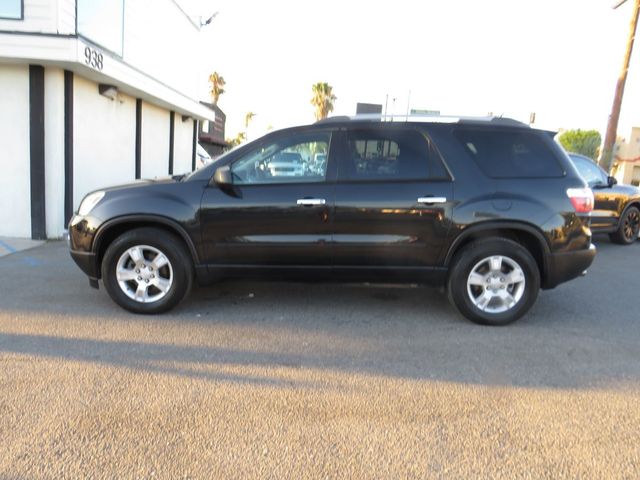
x,y
11,9
635,176
102,22
514,154
205,126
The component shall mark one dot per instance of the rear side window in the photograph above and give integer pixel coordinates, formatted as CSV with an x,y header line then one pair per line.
x,y
509,153
589,171
388,154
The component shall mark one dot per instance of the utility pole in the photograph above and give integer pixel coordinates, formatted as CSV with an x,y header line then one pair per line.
x,y
606,154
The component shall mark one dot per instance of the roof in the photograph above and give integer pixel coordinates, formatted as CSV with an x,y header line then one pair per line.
x,y
420,118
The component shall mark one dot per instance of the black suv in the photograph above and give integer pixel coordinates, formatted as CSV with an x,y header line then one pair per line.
x,y
489,208
616,209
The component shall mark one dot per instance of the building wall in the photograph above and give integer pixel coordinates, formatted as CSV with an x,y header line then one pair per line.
x,y
66,17
54,150
15,168
183,148
628,154
155,141
171,33
44,16
104,130
104,139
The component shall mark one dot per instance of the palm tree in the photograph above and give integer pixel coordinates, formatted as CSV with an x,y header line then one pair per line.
x,y
247,118
217,86
237,140
322,99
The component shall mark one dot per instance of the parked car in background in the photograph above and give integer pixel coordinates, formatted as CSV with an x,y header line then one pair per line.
x,y
202,156
616,208
489,208
285,164
319,163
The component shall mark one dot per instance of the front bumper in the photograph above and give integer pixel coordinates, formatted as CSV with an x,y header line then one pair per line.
x,y
565,266
87,262
81,234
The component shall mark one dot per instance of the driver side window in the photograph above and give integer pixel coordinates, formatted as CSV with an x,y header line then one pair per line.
x,y
299,159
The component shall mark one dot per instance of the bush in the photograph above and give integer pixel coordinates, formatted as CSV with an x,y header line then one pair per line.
x,y
584,142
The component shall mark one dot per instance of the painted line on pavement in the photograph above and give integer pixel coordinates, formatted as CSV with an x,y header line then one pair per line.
x,y
7,247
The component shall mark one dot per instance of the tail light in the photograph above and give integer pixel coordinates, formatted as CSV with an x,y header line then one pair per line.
x,y
581,199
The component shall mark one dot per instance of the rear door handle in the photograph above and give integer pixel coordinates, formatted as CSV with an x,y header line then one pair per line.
x,y
311,201
432,200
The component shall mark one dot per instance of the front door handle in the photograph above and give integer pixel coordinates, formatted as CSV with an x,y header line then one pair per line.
x,y
311,201
432,200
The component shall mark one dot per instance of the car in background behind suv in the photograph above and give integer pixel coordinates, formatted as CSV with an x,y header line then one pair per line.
x,y
616,208
286,164
487,207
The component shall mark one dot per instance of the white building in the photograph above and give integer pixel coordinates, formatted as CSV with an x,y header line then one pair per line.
x,y
628,158
92,93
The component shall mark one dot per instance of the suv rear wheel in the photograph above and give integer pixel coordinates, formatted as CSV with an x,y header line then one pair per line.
x,y
493,281
147,270
627,232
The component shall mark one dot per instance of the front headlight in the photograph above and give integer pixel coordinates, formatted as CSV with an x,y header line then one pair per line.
x,y
89,202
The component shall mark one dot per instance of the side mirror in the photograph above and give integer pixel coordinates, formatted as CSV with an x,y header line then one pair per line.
x,y
611,181
223,177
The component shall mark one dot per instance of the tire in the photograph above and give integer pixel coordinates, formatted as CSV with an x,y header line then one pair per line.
x,y
147,270
478,284
628,227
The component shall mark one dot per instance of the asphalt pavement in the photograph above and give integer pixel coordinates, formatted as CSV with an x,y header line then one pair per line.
x,y
283,380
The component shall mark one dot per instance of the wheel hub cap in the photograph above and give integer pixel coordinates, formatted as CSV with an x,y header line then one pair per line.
x,y
144,274
496,284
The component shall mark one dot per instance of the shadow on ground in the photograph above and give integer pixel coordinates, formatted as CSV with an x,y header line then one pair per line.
x,y
582,335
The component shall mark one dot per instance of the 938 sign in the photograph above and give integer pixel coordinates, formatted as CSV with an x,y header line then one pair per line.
x,y
93,58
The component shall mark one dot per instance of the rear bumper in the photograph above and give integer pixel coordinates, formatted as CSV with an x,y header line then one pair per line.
x,y
565,266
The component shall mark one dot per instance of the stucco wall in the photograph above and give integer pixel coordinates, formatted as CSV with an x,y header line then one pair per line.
x,y
183,145
104,139
155,141
54,150
15,190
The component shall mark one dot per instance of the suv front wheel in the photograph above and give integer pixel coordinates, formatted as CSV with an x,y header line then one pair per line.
x,y
493,281
147,270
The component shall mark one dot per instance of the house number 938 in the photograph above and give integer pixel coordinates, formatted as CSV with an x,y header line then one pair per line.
x,y
93,58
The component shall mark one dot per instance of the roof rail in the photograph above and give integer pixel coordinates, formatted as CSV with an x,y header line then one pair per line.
x,y
337,118
378,117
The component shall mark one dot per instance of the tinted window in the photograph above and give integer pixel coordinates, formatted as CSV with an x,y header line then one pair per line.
x,y
378,154
294,159
509,153
589,171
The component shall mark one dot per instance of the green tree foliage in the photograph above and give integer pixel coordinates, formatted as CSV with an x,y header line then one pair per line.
x,y
237,140
322,99
584,142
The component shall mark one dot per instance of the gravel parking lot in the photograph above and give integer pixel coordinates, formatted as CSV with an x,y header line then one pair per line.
x,y
268,380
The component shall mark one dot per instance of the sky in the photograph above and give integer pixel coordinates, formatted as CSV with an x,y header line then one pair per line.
x,y
557,58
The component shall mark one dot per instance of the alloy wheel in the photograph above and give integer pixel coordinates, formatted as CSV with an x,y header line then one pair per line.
x,y
144,273
631,225
496,284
